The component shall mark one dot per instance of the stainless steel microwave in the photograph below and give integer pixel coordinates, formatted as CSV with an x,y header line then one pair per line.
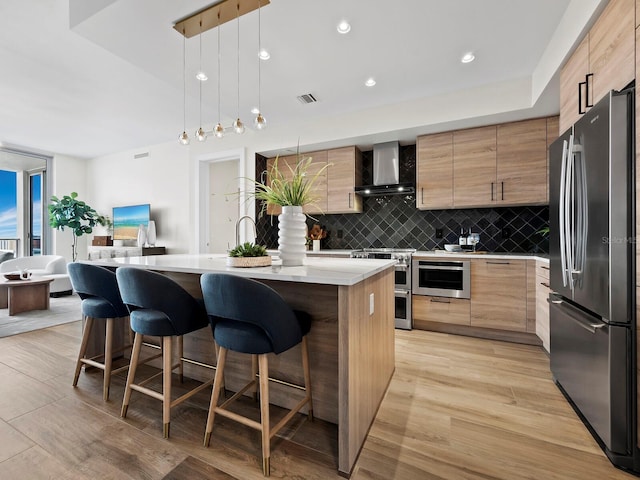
x,y
442,278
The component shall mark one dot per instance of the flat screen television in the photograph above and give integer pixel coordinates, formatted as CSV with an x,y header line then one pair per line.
x,y
126,221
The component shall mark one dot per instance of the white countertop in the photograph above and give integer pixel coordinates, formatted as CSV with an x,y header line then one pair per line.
x,y
327,271
481,255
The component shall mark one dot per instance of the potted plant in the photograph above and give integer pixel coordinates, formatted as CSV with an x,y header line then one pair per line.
x,y
75,214
248,255
291,190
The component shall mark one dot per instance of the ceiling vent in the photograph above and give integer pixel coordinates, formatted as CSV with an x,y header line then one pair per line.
x,y
141,155
307,98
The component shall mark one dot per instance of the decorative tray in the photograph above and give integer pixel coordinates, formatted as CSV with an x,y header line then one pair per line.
x,y
12,276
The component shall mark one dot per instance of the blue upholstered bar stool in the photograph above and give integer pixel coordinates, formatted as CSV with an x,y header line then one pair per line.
x,y
249,317
98,289
158,307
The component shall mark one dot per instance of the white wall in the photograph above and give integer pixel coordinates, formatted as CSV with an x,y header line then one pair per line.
x,y
162,179
68,175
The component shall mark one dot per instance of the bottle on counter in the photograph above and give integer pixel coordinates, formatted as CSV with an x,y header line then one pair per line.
x,y
462,239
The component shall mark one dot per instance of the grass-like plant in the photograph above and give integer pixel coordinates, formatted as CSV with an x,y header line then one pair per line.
x,y
248,249
292,188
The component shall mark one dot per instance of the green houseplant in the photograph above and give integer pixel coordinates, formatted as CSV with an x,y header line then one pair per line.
x,y
76,215
248,255
291,188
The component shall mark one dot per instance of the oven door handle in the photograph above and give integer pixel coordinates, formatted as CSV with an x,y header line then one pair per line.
x,y
402,293
439,267
401,266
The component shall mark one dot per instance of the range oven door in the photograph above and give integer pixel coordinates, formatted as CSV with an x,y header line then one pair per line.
x,y
590,361
403,277
403,309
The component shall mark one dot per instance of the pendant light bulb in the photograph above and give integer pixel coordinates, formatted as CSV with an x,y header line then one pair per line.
x,y
201,135
238,126
184,138
260,122
218,130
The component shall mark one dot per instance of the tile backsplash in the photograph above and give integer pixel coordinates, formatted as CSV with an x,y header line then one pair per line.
x,y
394,220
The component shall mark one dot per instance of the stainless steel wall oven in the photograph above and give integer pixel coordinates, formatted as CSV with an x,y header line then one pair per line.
x,y
442,278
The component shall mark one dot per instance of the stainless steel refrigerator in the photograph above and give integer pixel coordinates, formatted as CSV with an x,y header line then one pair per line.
x,y
592,257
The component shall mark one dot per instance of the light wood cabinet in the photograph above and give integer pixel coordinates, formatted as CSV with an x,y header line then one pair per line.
x,y
521,173
434,171
542,304
499,294
612,48
572,91
343,175
439,309
474,167
553,132
607,54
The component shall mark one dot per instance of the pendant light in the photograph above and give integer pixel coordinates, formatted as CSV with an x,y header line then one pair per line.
x,y
259,122
184,138
218,130
238,126
200,133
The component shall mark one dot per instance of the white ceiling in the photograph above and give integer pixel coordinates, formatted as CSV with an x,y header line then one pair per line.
x,y
88,78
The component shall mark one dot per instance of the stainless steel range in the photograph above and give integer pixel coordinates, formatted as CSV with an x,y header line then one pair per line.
x,y
403,318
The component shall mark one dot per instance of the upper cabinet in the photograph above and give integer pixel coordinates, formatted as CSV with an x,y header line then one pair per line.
x,y
603,61
474,167
343,175
499,165
521,176
434,171
334,186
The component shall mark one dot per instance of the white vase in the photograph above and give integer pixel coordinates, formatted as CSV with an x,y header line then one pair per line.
x,y
142,235
151,233
291,236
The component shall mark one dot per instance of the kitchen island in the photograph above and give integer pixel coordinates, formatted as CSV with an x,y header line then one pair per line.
x,y
351,343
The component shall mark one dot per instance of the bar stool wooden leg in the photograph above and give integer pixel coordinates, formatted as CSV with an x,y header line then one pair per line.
x,y
307,375
88,324
180,355
166,384
254,372
215,394
133,365
108,358
224,387
263,363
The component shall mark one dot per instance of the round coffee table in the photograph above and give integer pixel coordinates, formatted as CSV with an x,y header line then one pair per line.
x,y
25,295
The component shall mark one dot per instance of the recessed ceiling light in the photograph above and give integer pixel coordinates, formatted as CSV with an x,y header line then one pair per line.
x,y
264,55
202,76
255,110
370,82
343,27
468,57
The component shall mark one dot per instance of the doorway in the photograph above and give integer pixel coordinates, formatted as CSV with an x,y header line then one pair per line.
x,y
224,205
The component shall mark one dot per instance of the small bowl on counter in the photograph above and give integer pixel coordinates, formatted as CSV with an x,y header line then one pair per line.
x,y
453,247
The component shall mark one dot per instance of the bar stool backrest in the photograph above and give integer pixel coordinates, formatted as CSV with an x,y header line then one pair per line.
x,y
93,281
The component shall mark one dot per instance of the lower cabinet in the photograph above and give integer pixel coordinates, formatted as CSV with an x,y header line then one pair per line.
x,y
542,304
440,309
499,294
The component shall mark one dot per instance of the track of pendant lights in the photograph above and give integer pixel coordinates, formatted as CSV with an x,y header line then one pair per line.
x,y
201,21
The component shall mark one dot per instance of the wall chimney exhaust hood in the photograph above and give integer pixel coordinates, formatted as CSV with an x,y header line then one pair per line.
x,y
386,173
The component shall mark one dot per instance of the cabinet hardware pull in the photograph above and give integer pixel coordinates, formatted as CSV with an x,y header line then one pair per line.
x,y
586,81
422,195
544,266
349,199
580,110
492,191
437,300
498,263
544,284
502,187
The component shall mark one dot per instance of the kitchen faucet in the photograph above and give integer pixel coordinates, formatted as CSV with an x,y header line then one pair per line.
x,y
255,233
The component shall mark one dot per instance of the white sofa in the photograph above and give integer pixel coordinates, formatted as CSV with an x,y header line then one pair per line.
x,y
54,266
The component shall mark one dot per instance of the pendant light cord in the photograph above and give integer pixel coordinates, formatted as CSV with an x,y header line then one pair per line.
x,y
200,72
218,28
184,82
259,59
238,63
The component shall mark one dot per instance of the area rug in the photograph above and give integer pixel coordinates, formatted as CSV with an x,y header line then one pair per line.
x,y
62,310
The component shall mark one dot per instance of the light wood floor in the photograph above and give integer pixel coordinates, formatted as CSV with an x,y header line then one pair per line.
x,y
457,408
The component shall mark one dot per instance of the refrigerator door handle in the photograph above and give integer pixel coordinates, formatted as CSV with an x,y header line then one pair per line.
x,y
562,224
590,326
568,213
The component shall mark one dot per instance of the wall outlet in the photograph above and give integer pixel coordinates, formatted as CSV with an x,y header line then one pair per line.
x,y
438,233
371,303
